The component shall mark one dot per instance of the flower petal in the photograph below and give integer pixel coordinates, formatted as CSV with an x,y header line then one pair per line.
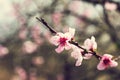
x,y
55,40
113,64
59,49
79,61
87,56
72,31
101,66
68,45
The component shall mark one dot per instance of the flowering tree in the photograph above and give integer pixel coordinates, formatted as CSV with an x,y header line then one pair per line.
x,y
88,30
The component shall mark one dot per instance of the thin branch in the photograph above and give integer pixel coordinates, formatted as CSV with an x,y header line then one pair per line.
x,y
117,58
85,51
76,44
45,23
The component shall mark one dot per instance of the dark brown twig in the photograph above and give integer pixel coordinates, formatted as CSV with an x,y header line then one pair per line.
x,y
45,23
85,51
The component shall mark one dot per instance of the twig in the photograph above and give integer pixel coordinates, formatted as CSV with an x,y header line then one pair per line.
x,y
45,23
85,51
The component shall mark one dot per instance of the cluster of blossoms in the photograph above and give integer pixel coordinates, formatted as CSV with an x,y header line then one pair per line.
x,y
86,51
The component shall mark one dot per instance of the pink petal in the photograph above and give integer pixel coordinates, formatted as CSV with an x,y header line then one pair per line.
x,y
110,6
60,34
67,46
75,54
101,66
55,40
59,49
79,61
93,38
87,44
107,56
113,64
72,31
87,56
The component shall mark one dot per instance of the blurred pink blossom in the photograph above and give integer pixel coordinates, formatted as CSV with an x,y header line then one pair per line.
x,y
3,50
35,32
18,14
61,40
21,73
74,6
47,35
90,44
60,77
110,6
56,17
33,76
106,62
23,33
38,60
86,13
29,47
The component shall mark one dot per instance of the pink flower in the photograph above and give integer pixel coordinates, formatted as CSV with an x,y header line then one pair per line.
x,y
75,5
23,33
29,47
38,60
57,16
35,32
106,62
3,50
61,40
110,6
87,56
77,54
90,44
21,73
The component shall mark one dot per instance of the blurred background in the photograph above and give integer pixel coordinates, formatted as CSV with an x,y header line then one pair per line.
x,y
26,54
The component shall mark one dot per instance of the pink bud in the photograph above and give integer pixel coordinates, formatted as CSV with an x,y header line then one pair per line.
x,y
90,44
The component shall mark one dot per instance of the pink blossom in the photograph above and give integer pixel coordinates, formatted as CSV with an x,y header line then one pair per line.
x,y
106,62
33,76
39,60
61,40
87,56
110,6
60,76
90,44
3,50
22,33
75,5
77,54
35,31
86,13
29,47
56,17
21,73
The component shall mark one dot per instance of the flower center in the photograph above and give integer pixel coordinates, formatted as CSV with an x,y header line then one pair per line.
x,y
106,61
63,41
